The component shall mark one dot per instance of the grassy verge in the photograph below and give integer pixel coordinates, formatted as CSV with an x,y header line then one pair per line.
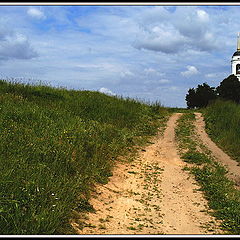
x,y
55,144
222,124
222,197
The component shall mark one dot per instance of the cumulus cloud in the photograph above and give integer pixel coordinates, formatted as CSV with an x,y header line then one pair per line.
x,y
186,34
160,38
172,32
15,46
106,91
202,15
191,70
36,13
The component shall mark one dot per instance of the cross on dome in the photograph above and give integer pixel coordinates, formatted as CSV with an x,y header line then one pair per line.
x,y
238,42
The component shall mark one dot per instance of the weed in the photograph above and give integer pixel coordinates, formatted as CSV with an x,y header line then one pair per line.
x,y
195,157
101,226
55,145
131,228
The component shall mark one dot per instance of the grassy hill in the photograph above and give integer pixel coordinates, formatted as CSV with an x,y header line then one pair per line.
x,y
55,144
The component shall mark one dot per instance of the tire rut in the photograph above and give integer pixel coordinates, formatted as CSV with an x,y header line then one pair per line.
x,y
150,195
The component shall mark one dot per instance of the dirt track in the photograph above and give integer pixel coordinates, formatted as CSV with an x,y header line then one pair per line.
x,y
151,195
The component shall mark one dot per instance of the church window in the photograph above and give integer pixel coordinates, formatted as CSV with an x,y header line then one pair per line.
x,y
238,69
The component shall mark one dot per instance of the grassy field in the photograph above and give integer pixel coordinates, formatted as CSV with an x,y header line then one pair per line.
x,y
223,126
222,197
55,144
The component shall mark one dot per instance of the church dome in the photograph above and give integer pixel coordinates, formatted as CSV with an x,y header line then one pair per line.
x,y
237,53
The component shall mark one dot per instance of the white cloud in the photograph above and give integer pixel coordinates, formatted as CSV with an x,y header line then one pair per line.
x,y
202,15
106,91
36,13
178,31
14,45
191,70
184,36
160,38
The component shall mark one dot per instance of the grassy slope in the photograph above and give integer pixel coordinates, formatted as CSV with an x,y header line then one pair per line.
x,y
55,144
223,126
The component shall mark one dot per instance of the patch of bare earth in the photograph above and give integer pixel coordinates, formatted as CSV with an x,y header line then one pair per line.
x,y
220,156
150,195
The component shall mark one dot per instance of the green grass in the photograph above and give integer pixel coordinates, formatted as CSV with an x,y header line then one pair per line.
x,y
185,129
222,197
223,125
55,144
221,194
195,157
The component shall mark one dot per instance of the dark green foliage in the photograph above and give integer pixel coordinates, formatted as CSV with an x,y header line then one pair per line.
x,y
229,89
55,144
191,98
201,96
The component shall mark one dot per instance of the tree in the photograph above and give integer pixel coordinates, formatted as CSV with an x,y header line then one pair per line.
x,y
201,96
229,89
191,98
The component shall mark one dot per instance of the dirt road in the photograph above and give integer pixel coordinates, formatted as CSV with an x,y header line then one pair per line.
x,y
151,195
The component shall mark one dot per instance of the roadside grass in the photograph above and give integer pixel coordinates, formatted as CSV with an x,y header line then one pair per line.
x,y
222,123
56,144
222,197
195,157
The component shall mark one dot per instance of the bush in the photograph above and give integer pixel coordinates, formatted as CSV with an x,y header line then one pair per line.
x,y
201,96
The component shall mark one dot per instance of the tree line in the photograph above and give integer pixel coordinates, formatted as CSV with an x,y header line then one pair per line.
x,y
229,89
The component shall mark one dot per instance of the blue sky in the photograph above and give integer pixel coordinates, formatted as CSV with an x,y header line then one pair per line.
x,y
153,53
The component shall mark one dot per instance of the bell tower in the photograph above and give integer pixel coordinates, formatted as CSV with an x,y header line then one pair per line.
x,y
235,62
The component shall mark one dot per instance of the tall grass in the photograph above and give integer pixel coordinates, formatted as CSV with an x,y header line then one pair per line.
x,y
54,145
223,125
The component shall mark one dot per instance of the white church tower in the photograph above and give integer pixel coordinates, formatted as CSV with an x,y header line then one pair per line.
x,y
235,62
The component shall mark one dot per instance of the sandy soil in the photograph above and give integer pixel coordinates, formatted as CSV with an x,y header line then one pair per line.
x,y
219,155
151,195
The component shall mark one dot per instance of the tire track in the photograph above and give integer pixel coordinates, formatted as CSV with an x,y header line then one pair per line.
x,y
151,195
